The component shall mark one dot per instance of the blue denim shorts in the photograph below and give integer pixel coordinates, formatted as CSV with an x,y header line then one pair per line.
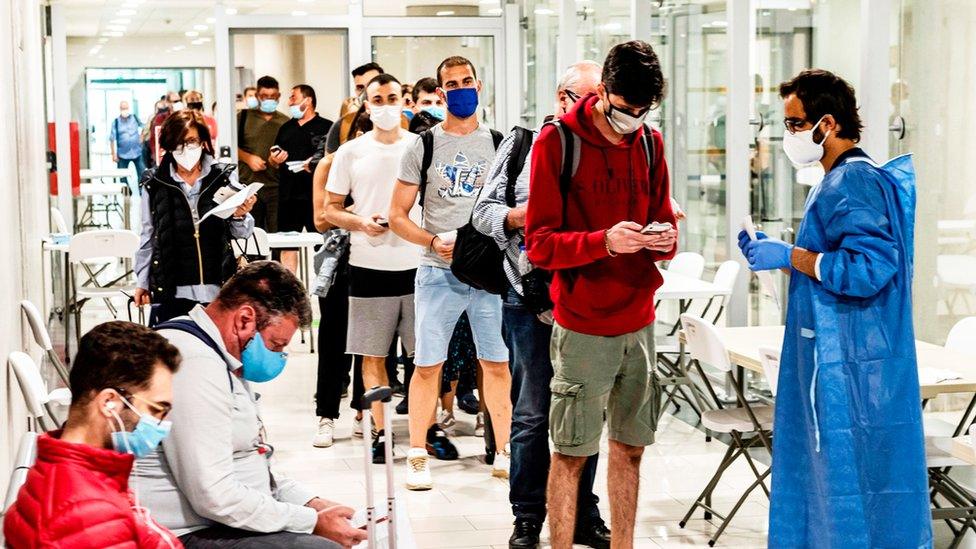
x,y
439,300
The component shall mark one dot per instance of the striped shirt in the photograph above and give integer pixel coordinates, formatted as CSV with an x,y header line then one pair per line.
x,y
491,209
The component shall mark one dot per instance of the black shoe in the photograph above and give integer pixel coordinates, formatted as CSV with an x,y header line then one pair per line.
x,y
526,534
379,447
398,389
469,403
439,446
595,534
402,408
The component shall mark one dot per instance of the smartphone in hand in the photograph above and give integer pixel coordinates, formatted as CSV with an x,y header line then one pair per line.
x,y
656,228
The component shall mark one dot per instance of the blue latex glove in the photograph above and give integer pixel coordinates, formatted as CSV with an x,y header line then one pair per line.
x,y
744,239
768,254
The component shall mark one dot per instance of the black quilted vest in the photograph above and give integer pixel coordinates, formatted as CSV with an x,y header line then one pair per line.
x,y
179,257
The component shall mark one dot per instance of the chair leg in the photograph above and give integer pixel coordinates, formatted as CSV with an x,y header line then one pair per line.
x,y
730,456
745,495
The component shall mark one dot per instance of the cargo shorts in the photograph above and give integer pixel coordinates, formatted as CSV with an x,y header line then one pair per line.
x,y
596,373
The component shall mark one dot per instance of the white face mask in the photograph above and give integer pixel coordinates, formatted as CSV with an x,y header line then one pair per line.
x,y
386,117
187,156
124,113
178,106
622,122
800,147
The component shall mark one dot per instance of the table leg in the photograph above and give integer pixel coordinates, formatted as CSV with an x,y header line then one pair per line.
x,y
67,309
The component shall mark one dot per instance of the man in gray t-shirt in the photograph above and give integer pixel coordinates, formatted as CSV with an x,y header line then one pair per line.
x,y
457,172
463,151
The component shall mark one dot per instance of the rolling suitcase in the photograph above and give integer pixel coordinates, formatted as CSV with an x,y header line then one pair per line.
x,y
393,527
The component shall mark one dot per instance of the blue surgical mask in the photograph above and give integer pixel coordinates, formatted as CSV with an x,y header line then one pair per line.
x,y
261,363
408,113
296,111
462,102
251,102
144,439
435,111
269,105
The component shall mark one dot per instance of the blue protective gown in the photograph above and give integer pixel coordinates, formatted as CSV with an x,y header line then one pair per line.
x,y
848,448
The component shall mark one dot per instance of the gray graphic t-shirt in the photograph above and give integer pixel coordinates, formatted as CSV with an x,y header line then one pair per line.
x,y
457,171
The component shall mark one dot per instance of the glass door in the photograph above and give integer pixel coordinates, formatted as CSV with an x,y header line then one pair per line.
x,y
782,47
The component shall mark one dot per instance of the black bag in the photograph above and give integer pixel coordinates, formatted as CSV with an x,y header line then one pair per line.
x,y
478,261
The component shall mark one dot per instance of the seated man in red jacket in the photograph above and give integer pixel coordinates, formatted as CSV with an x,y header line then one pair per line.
x,y
77,494
595,234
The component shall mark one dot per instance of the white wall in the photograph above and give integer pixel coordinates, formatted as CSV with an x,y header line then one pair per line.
x,y
23,212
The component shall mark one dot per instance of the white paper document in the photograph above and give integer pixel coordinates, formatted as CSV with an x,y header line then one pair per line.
x,y
766,281
226,208
295,166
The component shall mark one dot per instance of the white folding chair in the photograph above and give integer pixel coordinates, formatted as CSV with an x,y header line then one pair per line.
x,y
254,247
747,426
688,264
725,278
43,338
769,358
36,396
26,456
58,221
112,245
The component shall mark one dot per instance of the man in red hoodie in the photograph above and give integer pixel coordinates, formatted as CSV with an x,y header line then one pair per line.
x,y
593,234
77,493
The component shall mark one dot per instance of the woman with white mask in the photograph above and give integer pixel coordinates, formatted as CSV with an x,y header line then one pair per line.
x,y
182,261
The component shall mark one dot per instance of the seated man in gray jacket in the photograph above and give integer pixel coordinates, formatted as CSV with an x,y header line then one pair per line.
x,y
211,483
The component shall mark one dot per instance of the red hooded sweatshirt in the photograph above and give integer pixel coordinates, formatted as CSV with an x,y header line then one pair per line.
x,y
594,293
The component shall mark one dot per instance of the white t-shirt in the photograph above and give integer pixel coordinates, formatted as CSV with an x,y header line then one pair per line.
x,y
367,170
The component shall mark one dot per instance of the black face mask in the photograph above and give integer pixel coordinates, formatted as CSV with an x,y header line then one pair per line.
x,y
195,106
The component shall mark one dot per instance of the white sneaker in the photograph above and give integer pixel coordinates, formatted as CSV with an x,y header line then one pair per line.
x,y
446,420
418,470
326,433
357,428
479,425
499,469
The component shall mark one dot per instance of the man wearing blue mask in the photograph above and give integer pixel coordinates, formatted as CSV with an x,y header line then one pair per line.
x,y
445,170
849,451
78,492
257,129
211,482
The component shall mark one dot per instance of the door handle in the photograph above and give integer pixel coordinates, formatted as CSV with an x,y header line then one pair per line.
x,y
898,127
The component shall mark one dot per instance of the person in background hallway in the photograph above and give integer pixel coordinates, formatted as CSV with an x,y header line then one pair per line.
x,y
408,101
212,481
528,335
125,140
361,75
77,493
849,450
590,238
249,98
194,100
177,265
297,140
162,113
257,129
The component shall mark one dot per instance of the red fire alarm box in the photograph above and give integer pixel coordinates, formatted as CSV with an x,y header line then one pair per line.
x,y
75,158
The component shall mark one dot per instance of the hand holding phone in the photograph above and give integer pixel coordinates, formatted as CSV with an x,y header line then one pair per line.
x,y
656,228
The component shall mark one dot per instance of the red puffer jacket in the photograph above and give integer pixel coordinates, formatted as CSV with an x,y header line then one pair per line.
x,y
77,497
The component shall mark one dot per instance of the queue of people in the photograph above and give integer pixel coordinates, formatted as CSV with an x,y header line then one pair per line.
x,y
567,347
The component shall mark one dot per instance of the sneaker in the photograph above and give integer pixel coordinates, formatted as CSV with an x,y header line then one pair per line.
x,y
402,409
326,433
418,470
357,428
499,469
469,403
525,535
479,425
379,447
446,421
439,446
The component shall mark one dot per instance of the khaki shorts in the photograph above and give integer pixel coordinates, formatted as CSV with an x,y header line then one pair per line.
x,y
597,373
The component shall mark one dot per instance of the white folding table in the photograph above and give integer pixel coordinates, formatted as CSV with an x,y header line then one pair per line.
x,y
305,242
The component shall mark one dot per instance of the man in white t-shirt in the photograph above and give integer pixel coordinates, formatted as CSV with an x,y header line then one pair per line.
x,y
382,265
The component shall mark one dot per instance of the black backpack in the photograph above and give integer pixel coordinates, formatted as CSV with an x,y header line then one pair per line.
x,y
477,259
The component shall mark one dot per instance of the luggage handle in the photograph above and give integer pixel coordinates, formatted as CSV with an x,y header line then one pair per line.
x,y
384,395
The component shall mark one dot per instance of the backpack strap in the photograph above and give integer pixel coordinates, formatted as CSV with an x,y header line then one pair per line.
x,y
647,143
516,161
496,138
194,329
427,140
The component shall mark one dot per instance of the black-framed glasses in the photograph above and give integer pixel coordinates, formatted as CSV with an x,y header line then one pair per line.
x,y
573,96
794,125
162,410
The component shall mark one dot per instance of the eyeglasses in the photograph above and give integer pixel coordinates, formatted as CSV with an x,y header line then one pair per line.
x,y
794,125
160,411
573,96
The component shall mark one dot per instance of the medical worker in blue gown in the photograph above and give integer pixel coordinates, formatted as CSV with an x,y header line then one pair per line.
x,y
848,449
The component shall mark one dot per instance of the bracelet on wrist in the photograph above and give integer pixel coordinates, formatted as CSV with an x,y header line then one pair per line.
x,y
606,243
431,245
